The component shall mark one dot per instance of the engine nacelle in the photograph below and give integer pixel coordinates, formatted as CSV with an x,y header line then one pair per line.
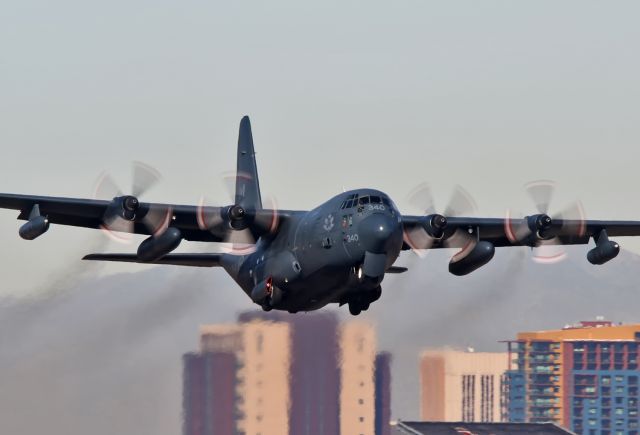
x,y
35,227
603,252
480,255
156,247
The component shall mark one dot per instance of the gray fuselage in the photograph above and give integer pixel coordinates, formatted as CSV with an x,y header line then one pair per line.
x,y
317,257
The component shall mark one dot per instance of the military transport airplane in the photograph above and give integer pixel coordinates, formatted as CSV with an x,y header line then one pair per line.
x,y
339,252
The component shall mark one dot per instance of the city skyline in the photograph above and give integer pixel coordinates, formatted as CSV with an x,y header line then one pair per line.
x,y
590,372
269,374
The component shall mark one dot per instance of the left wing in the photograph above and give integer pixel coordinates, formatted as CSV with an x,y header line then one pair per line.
x,y
516,232
477,238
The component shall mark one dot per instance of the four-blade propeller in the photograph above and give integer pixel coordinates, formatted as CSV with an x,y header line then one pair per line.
x,y
435,229
543,231
126,211
238,226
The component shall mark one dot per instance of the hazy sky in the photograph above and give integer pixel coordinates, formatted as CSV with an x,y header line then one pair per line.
x,y
487,94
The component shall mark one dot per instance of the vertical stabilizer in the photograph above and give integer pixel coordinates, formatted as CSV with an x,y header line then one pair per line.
x,y
247,184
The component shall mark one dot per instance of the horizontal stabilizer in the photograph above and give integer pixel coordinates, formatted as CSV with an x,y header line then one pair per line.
x,y
194,260
396,269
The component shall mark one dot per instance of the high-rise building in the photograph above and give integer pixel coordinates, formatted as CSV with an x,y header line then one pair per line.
x,y
461,386
290,374
315,374
357,370
383,393
209,393
261,351
583,377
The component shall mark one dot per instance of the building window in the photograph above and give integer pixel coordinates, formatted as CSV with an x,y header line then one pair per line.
x,y
468,397
486,399
259,342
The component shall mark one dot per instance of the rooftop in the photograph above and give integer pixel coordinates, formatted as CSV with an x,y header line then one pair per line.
x,y
586,330
464,428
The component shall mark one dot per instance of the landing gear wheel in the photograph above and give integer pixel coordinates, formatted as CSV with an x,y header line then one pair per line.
x,y
364,306
267,307
354,308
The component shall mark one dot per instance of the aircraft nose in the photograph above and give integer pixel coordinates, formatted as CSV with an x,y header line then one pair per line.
x,y
376,232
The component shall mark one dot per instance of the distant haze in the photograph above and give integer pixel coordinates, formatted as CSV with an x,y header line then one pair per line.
x,y
487,94
104,356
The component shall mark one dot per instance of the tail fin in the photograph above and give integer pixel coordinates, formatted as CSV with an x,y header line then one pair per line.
x,y
247,184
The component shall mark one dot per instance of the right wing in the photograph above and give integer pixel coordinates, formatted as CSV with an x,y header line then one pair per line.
x,y
196,223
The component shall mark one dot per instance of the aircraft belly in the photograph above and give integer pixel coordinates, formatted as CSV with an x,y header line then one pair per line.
x,y
316,290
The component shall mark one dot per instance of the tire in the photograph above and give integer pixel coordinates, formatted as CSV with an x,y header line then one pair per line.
x,y
354,309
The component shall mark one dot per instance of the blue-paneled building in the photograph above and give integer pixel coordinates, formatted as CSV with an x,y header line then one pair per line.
x,y
584,378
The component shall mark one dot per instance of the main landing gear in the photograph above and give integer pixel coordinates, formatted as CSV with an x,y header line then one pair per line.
x,y
361,302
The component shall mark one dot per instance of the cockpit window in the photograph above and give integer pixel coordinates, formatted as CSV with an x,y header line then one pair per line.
x,y
386,202
375,200
351,201
364,200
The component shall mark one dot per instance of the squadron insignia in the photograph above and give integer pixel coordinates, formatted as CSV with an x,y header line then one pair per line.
x,y
328,223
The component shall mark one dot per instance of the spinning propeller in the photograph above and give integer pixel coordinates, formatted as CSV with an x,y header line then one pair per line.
x,y
125,211
239,225
541,231
435,228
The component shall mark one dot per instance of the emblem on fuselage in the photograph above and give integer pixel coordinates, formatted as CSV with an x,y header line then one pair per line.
x,y
328,223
